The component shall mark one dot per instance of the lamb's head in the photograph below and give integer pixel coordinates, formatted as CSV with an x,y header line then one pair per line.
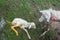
x,y
32,25
46,14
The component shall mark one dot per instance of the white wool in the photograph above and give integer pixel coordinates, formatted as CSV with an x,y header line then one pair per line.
x,y
56,14
20,21
24,23
46,14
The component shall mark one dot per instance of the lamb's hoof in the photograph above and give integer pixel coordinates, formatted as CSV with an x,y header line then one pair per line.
x,y
29,37
16,34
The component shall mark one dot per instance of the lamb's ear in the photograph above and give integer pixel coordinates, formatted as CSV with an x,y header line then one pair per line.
x,y
29,26
41,11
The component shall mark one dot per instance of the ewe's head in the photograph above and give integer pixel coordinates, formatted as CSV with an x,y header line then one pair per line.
x,y
32,25
41,19
43,12
46,14
43,16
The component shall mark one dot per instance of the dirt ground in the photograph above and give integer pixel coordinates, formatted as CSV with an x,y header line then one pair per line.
x,y
56,26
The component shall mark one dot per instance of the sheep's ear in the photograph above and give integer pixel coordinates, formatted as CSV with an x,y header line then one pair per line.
x,y
29,26
41,11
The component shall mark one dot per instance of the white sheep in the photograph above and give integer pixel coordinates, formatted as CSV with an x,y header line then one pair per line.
x,y
22,24
49,15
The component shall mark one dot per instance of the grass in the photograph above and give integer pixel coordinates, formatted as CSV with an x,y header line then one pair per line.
x,y
23,9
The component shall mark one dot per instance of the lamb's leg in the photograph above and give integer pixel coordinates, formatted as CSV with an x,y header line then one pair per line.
x,y
12,27
20,26
27,33
44,32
